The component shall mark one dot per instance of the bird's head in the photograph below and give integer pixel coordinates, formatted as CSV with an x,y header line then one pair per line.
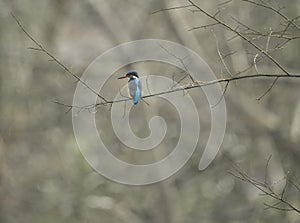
x,y
130,75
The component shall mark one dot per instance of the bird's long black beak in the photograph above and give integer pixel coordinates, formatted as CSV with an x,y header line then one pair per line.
x,y
122,77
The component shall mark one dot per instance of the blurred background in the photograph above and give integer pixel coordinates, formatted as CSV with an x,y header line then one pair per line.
x,y
44,177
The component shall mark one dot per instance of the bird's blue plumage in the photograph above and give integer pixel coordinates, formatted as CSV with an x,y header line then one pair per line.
x,y
134,89
138,92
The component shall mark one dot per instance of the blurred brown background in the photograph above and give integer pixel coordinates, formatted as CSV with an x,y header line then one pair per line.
x,y
43,176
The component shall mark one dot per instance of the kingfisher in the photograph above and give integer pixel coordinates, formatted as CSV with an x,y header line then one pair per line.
x,y
134,86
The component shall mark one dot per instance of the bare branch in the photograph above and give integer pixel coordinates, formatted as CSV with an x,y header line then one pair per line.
x,y
269,89
223,94
217,13
204,26
229,54
172,8
194,83
241,36
224,3
277,11
268,42
65,105
255,62
199,84
221,56
268,206
181,62
266,190
53,58
249,31
246,26
293,184
34,48
266,169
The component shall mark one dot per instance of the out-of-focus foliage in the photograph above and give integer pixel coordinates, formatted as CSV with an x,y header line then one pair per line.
x,y
43,176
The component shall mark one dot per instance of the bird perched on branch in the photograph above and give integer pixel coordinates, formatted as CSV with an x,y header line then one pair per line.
x,y
134,86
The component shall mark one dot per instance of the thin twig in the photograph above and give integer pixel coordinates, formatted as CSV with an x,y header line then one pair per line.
x,y
172,8
266,170
223,94
274,10
181,62
269,89
241,36
203,27
266,190
53,58
221,56
224,3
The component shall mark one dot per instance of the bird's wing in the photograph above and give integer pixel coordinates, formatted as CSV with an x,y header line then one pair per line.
x,y
132,87
140,87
